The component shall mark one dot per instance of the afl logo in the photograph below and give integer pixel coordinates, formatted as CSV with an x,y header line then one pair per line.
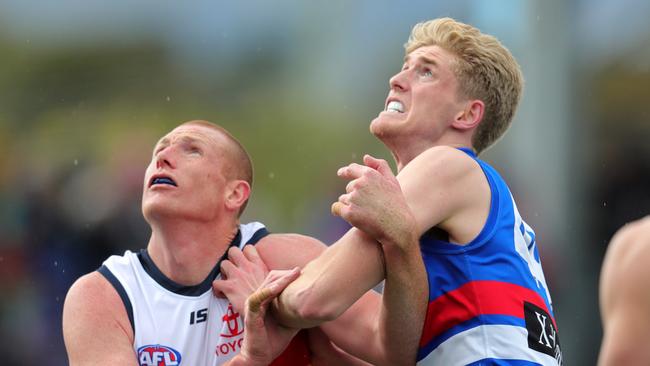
x,y
158,355
233,322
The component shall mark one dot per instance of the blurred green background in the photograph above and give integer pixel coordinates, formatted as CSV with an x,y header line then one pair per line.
x,y
87,88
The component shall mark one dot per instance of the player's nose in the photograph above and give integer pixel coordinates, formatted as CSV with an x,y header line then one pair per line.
x,y
165,158
399,81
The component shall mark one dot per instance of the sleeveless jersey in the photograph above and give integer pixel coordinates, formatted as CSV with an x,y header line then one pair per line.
x,y
488,300
174,324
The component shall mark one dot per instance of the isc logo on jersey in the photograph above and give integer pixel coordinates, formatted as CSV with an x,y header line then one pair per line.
x,y
158,355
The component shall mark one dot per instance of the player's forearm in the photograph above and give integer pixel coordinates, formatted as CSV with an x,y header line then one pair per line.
x,y
404,303
295,306
332,282
387,328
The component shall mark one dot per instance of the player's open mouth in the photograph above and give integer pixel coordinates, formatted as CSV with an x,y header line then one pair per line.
x,y
395,106
160,179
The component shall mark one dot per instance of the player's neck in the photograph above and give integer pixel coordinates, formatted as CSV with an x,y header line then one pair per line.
x,y
186,251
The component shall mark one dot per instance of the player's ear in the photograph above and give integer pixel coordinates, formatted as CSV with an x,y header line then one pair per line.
x,y
470,116
237,192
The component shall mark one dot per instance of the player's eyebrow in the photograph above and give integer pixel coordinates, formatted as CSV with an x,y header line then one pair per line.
x,y
422,59
165,141
162,142
191,140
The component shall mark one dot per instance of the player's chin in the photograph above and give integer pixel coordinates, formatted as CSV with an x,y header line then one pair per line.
x,y
386,122
154,208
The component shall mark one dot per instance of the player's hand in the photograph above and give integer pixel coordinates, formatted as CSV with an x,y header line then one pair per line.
x,y
375,204
241,274
264,338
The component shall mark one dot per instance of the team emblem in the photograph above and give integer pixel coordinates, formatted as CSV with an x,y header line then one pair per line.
x,y
233,322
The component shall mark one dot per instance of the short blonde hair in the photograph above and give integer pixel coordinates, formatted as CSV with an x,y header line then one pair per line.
x,y
485,69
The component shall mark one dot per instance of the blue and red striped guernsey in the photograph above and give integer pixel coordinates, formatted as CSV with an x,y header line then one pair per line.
x,y
488,300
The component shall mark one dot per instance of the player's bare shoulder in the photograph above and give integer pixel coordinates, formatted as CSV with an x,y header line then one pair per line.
x,y
444,162
625,268
625,296
633,232
92,298
630,244
453,182
285,251
93,316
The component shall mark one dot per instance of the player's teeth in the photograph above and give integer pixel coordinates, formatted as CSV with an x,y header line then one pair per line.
x,y
395,106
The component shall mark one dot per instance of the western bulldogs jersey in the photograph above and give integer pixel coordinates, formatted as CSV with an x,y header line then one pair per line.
x,y
173,324
488,300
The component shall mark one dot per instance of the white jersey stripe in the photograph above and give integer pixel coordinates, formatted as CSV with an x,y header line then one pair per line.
x,y
505,342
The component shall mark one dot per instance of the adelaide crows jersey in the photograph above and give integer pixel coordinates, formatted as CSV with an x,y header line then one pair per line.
x,y
174,324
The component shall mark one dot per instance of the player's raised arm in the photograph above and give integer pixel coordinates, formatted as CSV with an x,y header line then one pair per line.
x,y
355,263
375,204
321,295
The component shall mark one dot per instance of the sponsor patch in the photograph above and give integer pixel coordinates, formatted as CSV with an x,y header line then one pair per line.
x,y
542,334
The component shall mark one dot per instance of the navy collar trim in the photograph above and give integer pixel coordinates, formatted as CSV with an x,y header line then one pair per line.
x,y
194,290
